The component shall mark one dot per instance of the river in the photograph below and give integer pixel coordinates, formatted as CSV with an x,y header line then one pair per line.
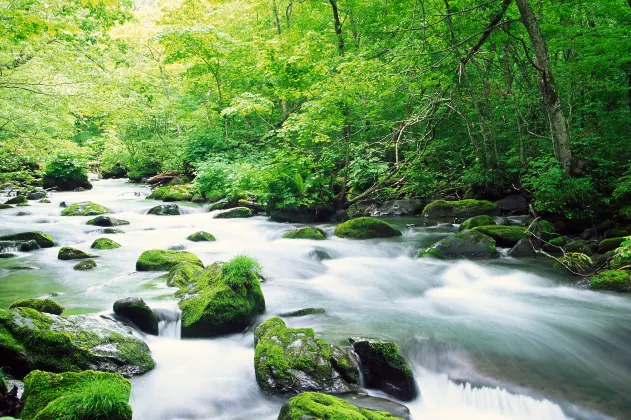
x,y
503,339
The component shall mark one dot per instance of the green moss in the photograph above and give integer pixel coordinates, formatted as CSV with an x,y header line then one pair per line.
x,y
476,221
201,236
183,274
160,260
432,253
104,243
365,228
610,244
179,192
313,405
241,270
306,232
69,253
582,246
85,208
303,312
20,199
76,396
462,208
42,239
617,233
5,206
559,241
505,236
165,210
614,280
234,213
41,305
137,311
467,244
85,265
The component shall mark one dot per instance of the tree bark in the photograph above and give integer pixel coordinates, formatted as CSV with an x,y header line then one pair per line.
x,y
338,27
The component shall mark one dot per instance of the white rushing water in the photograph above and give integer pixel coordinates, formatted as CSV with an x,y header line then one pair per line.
x,y
505,339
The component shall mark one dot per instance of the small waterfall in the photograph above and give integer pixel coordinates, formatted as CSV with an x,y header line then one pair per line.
x,y
170,321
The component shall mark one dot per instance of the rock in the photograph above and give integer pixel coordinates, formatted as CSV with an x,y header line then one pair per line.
x,y
85,265
160,260
289,361
183,274
176,248
26,246
85,208
222,299
395,208
616,233
468,244
252,204
163,178
10,403
463,209
165,210
317,406
5,206
42,240
384,368
303,312
32,340
118,170
591,233
48,306
363,400
5,255
306,232
201,236
523,249
70,395
365,228
614,280
170,193
138,312
341,216
106,221
66,184
104,243
222,204
36,195
503,221
299,216
319,255
234,213
610,244
559,241
505,236
582,246
107,231
513,204
476,221
19,199
23,213
63,205
44,201
69,253
198,198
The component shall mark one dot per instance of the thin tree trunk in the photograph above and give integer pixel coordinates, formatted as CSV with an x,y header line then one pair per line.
x,y
276,17
338,27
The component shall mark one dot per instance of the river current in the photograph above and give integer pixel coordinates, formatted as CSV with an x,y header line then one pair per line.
x,y
503,339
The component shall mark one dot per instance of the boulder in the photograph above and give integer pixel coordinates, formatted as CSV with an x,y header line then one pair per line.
x,y
523,249
63,184
163,178
42,240
290,361
48,306
476,221
106,221
5,206
69,253
505,236
183,274
314,405
395,208
221,300
104,243
303,312
502,221
303,215
384,368
32,340
234,213
18,199
610,244
582,246
614,280
4,255
463,209
306,232
590,233
165,210
36,195
23,213
107,231
176,248
85,208
138,312
201,236
340,216
616,233
222,204
252,204
365,228
85,265
513,204
468,244
170,193
319,255
71,395
160,260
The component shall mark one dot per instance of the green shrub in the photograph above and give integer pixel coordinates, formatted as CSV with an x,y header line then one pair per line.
x,y
66,166
241,270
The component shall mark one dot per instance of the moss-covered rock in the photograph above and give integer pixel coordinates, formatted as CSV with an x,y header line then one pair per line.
x,y
5,206
85,265
168,193
160,260
70,253
201,236
32,340
289,361
138,312
505,236
42,239
78,396
617,233
19,199
183,274
303,312
313,405
48,306
234,213
441,209
106,221
468,244
85,208
610,244
615,280
365,228
165,210
559,241
216,303
583,246
104,243
384,368
306,232
476,221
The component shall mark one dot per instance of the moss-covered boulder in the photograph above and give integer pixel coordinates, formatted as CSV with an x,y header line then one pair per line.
x,y
314,405
224,298
48,306
78,396
559,241
5,206
583,246
104,243
32,340
614,280
476,221
165,210
617,232
70,253
179,192
85,265
365,228
306,232
85,208
201,236
234,213
463,209
42,239
289,361
106,221
19,199
610,244
183,274
160,260
138,312
384,368
468,244
505,236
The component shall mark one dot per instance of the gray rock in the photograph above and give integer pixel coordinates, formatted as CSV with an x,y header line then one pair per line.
x,y
503,221
36,195
395,208
319,255
523,249
138,312
165,210
513,204
468,244
106,221
591,233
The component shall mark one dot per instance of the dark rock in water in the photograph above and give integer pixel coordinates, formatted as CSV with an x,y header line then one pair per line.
x,y
513,204
319,255
523,249
384,368
36,195
23,213
306,232
165,210
21,267
583,246
107,231
503,221
300,216
303,312
48,306
44,201
67,184
395,208
468,244
201,236
318,406
363,400
85,265
591,233
253,205
26,246
138,312
476,221
5,206
340,216
69,253
163,178
104,243
42,239
234,213
7,255
20,199
63,205
106,221
176,248
505,236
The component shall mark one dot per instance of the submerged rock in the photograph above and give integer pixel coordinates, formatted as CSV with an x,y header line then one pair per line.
x,y
306,232
165,210
106,221
505,236
476,221
468,244
183,274
463,209
48,306
43,240
365,228
85,208
104,243
314,405
85,265
201,236
138,312
108,231
319,255
69,253
303,312
160,260
234,213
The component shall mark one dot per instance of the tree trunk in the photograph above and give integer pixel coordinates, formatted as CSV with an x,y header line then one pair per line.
x,y
276,17
338,27
558,123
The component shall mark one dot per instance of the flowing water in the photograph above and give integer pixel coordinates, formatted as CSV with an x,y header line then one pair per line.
x,y
503,339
